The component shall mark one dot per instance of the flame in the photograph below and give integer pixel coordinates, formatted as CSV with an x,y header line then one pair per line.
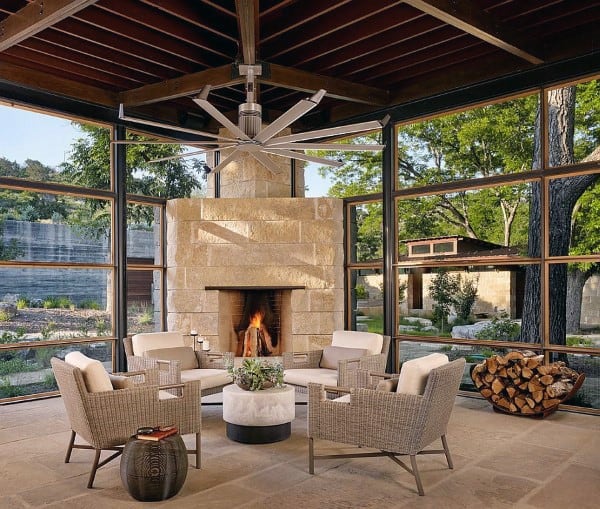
x,y
256,320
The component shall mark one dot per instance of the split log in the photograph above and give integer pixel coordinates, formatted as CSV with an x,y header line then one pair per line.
x,y
520,383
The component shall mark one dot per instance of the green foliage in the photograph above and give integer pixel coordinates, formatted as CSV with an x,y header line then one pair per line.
x,y
48,330
57,302
4,316
579,341
500,329
442,290
7,390
7,337
465,298
102,327
146,317
23,302
89,304
14,365
361,292
256,373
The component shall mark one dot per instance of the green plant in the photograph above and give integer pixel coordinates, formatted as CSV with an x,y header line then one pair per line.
x,y
89,304
256,374
4,316
465,298
57,302
14,365
146,318
101,327
361,292
579,341
22,303
7,337
7,390
442,291
48,330
501,329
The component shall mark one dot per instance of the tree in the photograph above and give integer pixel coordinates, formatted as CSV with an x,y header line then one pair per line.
x,y
89,165
564,194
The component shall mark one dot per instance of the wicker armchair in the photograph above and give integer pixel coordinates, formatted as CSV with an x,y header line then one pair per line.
x,y
394,423
107,419
209,367
302,368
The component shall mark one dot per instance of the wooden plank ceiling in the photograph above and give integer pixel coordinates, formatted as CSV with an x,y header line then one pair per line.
x,y
155,54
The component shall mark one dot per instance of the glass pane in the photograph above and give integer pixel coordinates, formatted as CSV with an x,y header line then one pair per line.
x,y
51,304
575,215
477,302
588,393
366,232
53,228
367,300
27,371
175,178
143,234
143,301
574,116
472,354
484,141
575,304
482,222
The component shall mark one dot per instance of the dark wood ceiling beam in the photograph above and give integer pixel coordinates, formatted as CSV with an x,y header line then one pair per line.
x,y
167,43
88,34
169,26
57,85
297,79
206,18
178,87
247,19
11,6
101,52
468,16
35,17
400,22
355,13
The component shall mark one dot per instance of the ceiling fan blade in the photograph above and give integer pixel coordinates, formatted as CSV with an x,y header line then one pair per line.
x,y
326,133
290,116
337,147
303,157
266,162
141,121
186,154
231,157
202,101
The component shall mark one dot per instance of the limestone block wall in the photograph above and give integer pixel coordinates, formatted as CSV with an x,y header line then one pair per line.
x,y
590,303
256,242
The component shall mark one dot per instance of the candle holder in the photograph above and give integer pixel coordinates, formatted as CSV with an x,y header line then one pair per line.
x,y
194,335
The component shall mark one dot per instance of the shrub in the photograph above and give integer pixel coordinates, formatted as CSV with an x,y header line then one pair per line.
x,y
23,302
442,291
60,302
361,292
579,341
89,304
4,316
465,298
10,391
146,318
501,329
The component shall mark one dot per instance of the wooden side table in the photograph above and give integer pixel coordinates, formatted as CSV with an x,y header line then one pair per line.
x,y
154,470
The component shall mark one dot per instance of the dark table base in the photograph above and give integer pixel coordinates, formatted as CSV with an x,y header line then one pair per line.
x,y
259,434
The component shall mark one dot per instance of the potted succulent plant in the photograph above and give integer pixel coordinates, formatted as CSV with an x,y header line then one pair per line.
x,y
255,374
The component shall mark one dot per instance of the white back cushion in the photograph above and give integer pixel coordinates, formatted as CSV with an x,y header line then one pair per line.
x,y
94,375
414,373
155,340
370,341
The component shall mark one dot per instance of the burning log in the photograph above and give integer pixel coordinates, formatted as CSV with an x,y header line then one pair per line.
x,y
256,341
519,383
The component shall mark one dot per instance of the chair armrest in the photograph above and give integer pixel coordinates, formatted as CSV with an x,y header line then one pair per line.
x,y
302,360
169,372
348,375
369,379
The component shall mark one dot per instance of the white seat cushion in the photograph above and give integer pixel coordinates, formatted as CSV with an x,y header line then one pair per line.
x,y
370,341
154,341
209,378
303,377
342,399
94,375
414,373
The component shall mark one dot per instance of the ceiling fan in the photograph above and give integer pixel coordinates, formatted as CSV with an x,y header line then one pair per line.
x,y
249,137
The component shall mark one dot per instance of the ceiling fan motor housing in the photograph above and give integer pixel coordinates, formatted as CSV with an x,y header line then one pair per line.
x,y
250,118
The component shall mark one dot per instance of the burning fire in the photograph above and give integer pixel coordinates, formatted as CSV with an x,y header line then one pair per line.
x,y
256,320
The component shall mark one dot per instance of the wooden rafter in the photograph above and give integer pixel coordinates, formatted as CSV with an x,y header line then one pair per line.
x,y
304,81
247,15
469,17
35,17
188,84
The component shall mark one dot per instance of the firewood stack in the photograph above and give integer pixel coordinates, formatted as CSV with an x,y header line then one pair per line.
x,y
519,383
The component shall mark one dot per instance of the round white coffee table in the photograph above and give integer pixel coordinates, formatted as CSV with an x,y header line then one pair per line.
x,y
258,417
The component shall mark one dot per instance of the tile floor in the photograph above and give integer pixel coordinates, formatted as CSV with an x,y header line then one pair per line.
x,y
500,462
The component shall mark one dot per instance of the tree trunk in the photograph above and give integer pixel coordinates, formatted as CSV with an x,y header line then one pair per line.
x,y
576,280
564,193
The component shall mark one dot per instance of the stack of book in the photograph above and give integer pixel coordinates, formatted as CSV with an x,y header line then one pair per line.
x,y
158,433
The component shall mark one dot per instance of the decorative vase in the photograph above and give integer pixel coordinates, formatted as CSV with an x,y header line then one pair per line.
x,y
153,471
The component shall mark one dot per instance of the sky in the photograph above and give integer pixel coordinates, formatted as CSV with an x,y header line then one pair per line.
x,y
29,135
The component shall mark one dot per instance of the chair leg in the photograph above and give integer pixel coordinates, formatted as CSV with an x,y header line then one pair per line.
x,y
70,447
447,452
198,460
413,462
311,456
94,468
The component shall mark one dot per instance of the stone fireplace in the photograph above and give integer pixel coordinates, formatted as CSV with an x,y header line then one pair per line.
x,y
252,243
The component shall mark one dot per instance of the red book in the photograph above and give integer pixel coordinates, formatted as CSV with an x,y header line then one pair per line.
x,y
158,434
